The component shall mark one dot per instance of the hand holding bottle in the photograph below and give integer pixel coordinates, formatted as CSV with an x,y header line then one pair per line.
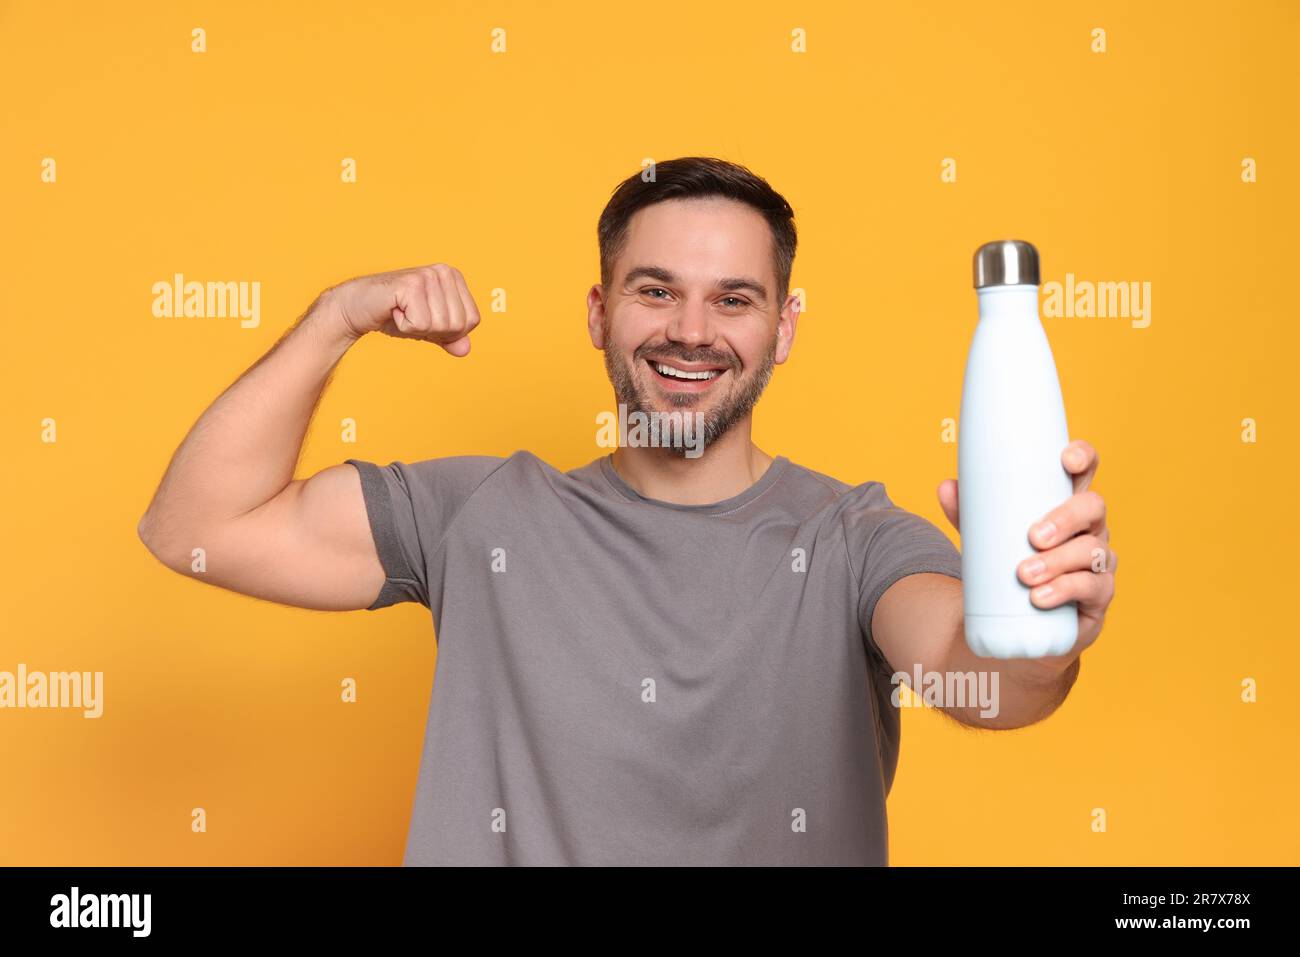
x,y
1073,560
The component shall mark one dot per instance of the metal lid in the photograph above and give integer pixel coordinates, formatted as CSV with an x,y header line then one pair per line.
x,y
1007,262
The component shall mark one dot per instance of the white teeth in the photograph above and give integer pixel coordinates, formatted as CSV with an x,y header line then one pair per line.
x,y
679,374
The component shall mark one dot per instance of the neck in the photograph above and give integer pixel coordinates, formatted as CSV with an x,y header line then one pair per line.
x,y
728,466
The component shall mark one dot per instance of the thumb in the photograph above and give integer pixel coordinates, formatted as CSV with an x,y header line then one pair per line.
x,y
948,501
459,348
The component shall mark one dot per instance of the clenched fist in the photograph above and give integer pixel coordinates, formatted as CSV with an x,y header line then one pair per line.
x,y
429,302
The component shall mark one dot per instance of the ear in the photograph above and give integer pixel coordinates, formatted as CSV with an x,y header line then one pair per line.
x,y
596,316
785,326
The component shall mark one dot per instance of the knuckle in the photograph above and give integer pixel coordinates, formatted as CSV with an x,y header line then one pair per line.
x,y
1098,559
1062,590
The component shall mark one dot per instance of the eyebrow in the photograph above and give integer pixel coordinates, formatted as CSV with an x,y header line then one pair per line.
x,y
730,284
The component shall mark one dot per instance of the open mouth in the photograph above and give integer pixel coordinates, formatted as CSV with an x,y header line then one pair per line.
x,y
685,376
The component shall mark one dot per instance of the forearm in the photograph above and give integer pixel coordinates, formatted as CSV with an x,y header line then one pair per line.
x,y
1027,690
243,450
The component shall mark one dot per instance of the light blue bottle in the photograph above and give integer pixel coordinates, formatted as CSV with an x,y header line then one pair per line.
x,y
1010,439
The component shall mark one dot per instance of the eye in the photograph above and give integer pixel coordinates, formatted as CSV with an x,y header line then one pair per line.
x,y
739,302
651,289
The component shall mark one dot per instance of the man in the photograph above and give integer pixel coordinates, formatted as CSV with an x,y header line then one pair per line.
x,y
656,658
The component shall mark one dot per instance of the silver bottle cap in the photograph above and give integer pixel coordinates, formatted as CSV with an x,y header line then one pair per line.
x,y
1007,262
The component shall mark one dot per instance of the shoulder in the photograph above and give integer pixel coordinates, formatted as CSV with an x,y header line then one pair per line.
x,y
841,496
519,475
867,514
464,473
431,485
447,470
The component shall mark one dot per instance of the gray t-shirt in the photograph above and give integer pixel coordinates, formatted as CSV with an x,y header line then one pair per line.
x,y
622,680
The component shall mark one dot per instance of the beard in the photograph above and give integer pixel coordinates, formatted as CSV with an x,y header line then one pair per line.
x,y
737,403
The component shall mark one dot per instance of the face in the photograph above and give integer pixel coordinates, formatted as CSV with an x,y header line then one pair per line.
x,y
690,321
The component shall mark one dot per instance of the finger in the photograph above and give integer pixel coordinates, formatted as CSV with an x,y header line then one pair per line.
x,y
412,313
451,296
1081,553
1080,460
1081,512
948,501
1092,592
459,348
471,308
437,299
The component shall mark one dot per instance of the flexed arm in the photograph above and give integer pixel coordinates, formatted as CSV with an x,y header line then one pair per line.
x,y
230,486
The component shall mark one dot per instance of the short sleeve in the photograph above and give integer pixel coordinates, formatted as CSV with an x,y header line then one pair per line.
x,y
410,508
887,543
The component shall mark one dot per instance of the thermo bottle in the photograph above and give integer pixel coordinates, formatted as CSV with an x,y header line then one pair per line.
x,y
1010,439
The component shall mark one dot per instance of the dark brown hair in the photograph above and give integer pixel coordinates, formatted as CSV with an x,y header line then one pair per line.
x,y
694,177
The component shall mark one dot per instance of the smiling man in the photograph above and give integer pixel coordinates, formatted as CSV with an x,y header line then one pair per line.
x,y
655,658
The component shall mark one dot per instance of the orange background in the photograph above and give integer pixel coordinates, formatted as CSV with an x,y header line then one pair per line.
x,y
225,165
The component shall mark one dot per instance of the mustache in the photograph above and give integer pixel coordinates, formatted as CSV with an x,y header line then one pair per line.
x,y
668,352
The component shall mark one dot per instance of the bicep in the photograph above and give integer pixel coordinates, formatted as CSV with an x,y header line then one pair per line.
x,y
310,546
918,620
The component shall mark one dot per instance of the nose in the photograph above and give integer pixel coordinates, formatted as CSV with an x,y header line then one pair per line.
x,y
691,326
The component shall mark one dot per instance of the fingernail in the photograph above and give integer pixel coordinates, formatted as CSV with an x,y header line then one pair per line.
x,y
1034,568
1042,592
1045,531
